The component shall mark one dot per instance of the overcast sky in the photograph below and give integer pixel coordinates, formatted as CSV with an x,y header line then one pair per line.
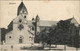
x,y
47,10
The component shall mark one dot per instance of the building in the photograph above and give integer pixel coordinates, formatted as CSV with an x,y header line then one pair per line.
x,y
19,30
22,31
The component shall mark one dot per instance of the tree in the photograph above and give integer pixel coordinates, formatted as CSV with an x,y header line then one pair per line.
x,y
43,37
62,32
76,38
52,35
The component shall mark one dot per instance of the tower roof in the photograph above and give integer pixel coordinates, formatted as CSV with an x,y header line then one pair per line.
x,y
37,17
21,6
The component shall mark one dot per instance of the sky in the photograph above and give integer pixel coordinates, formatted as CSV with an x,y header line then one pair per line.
x,y
46,10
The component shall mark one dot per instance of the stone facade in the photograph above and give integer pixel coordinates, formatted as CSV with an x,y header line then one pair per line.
x,y
21,33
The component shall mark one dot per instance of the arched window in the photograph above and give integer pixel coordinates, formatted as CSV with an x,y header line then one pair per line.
x,y
32,28
9,36
24,16
21,39
20,20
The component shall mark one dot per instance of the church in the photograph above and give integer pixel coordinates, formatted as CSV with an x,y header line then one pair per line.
x,y
23,31
20,31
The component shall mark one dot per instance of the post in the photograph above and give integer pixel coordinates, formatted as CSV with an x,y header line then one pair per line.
x,y
64,47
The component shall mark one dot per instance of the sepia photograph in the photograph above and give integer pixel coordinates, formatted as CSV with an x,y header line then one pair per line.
x,y
39,25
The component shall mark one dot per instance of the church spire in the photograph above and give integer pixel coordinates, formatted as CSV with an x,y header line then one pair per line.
x,y
22,9
37,18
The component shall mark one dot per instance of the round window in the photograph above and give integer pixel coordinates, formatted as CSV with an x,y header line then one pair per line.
x,y
9,36
20,27
20,20
24,16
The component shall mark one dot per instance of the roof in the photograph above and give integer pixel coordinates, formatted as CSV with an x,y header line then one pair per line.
x,y
73,20
43,23
68,19
21,6
47,23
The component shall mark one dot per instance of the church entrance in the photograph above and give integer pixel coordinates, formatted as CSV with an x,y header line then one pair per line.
x,y
21,39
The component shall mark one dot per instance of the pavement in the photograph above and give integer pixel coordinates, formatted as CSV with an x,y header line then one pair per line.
x,y
46,48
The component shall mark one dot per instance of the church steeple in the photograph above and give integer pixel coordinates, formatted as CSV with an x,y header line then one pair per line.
x,y
22,9
37,18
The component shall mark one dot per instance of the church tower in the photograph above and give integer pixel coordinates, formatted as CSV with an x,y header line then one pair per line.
x,y
37,29
20,33
20,26
22,10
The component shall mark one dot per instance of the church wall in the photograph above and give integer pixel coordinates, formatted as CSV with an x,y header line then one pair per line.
x,y
24,32
9,38
20,33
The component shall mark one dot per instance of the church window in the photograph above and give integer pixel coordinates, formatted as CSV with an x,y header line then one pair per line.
x,y
11,46
20,20
9,36
24,16
20,27
21,39
23,11
32,28
29,36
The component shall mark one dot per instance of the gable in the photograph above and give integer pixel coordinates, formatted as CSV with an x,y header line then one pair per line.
x,y
75,22
9,33
16,20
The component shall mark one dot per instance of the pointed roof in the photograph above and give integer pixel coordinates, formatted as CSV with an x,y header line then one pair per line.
x,y
21,6
37,16
73,20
